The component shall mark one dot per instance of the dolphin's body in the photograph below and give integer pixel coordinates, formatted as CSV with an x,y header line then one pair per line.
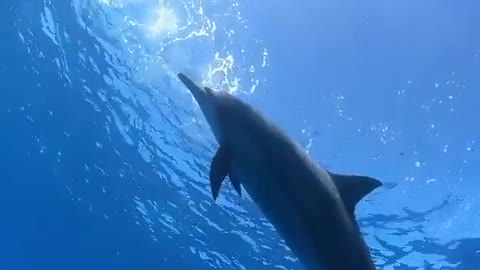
x,y
310,207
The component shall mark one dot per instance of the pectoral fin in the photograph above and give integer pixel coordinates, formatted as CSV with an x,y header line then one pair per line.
x,y
236,184
219,170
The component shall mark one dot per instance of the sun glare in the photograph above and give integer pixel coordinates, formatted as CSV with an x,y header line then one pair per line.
x,y
165,22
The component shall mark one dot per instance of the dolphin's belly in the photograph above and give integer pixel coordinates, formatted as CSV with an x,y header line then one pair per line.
x,y
280,210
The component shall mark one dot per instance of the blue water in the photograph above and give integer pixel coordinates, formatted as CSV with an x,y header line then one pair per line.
x,y
105,155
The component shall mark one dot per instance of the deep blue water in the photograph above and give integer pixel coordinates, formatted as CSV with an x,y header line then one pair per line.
x,y
105,156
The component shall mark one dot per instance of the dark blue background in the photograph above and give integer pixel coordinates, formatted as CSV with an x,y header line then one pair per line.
x,y
318,50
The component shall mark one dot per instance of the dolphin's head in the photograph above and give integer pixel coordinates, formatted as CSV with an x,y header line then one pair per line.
x,y
218,107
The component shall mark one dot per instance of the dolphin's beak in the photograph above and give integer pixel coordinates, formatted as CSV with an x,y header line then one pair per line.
x,y
198,93
205,98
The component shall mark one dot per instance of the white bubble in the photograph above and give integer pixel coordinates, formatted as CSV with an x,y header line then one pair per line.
x,y
166,22
432,180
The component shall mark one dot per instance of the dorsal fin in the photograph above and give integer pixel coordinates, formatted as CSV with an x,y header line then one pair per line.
x,y
353,188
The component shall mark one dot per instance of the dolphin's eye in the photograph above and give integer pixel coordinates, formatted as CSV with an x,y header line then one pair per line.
x,y
208,90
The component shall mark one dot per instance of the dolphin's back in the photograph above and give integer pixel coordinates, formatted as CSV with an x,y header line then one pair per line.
x,y
299,197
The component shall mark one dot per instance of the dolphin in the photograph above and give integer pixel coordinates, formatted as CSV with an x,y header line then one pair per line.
x,y
310,207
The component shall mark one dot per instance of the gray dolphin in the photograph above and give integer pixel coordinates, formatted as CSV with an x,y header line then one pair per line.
x,y
310,207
